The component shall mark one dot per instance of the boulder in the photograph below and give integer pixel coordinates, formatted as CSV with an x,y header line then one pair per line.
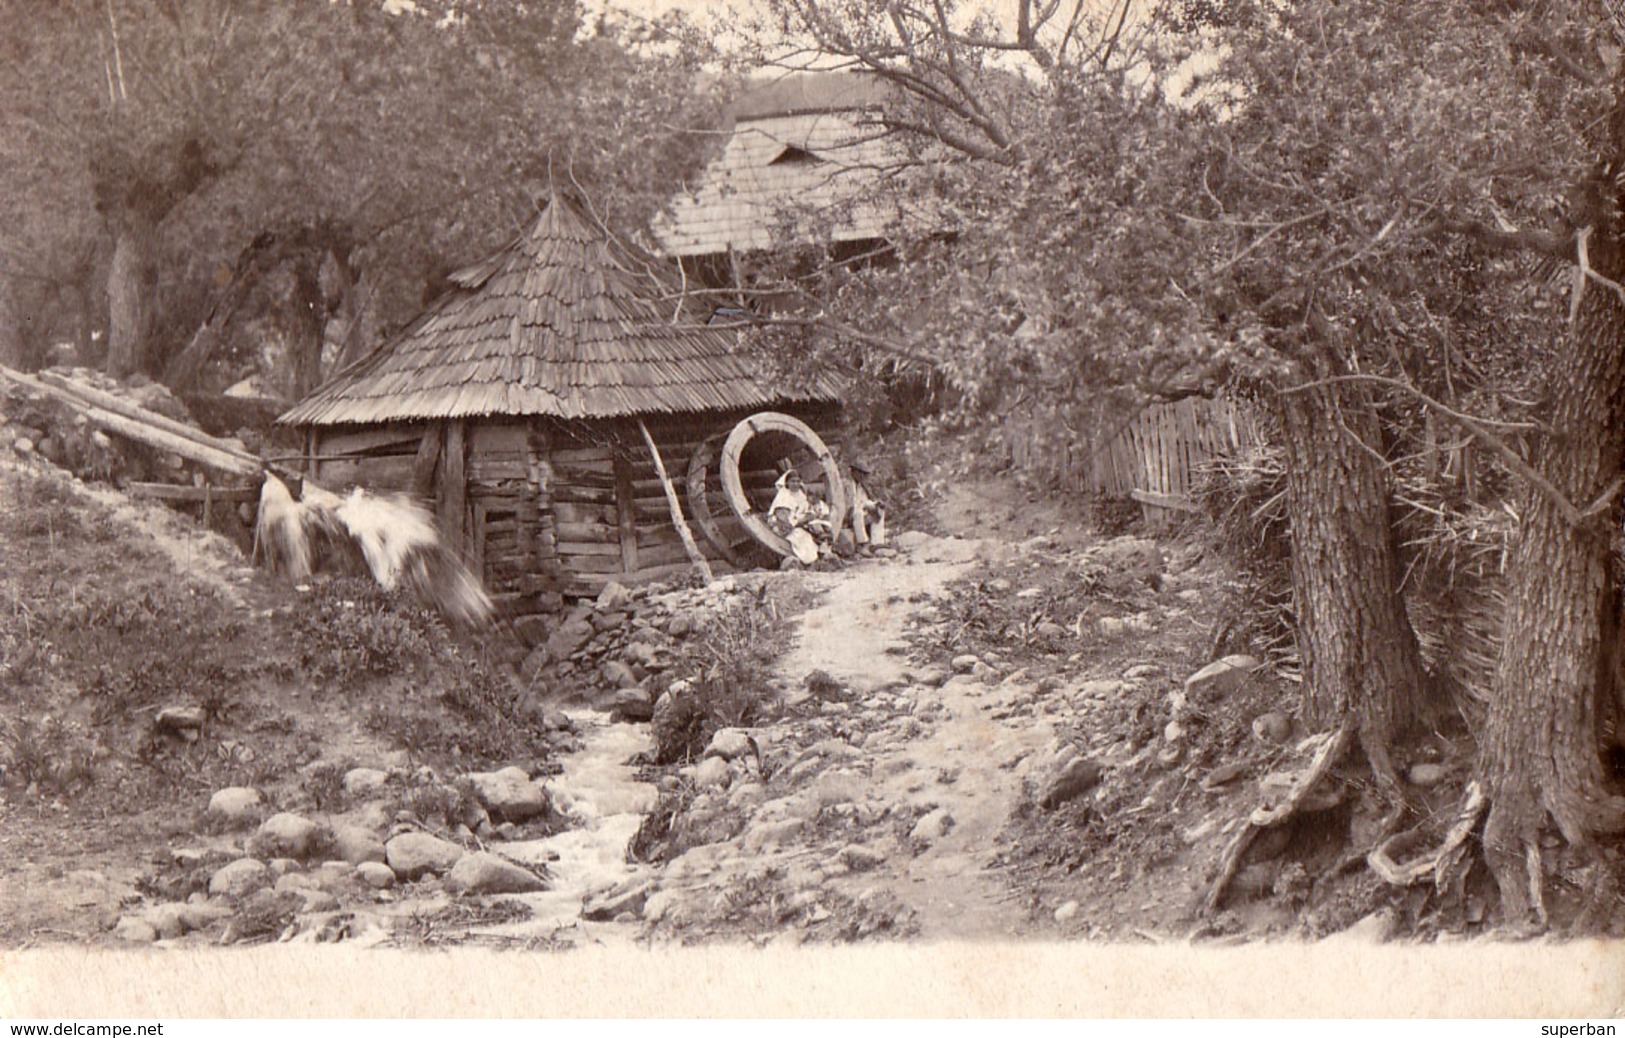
x,y
1220,678
482,872
236,806
613,596
964,663
712,773
509,795
911,540
569,636
1078,777
1066,912
356,844
135,929
730,744
375,874
627,898
240,879
632,703
360,782
415,854
288,835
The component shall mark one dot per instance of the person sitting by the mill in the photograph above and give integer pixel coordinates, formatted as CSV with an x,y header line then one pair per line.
x,y
797,517
868,514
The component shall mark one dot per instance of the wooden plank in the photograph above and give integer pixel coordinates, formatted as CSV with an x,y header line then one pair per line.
x,y
589,533
426,461
454,487
592,563
1177,502
581,456
394,438
627,517
191,494
573,512
610,548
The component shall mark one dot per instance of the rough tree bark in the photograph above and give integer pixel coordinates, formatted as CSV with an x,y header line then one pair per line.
x,y
1360,655
127,289
1541,754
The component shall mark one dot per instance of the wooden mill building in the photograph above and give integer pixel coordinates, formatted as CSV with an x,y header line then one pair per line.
x,y
514,405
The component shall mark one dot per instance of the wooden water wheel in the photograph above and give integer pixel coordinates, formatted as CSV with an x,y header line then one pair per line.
x,y
733,549
801,440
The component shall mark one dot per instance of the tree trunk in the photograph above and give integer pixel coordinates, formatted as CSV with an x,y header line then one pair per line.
x,y
1361,660
127,308
1541,754
307,328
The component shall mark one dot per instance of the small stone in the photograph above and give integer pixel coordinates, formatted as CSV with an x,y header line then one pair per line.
x,y
236,806
1142,671
932,826
1100,688
375,874
859,857
1427,774
1066,912
933,675
1220,678
135,929
360,782
1224,774
282,866
1051,629
240,878
617,674
730,744
1273,728
288,835
416,854
509,794
482,872
180,719
965,662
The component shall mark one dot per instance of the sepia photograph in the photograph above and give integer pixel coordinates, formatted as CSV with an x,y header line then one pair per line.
x,y
925,508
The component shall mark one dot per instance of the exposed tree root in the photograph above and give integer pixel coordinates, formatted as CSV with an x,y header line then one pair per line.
x,y
1329,748
1442,859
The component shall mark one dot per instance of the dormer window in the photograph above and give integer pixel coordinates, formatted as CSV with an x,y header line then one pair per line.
x,y
793,154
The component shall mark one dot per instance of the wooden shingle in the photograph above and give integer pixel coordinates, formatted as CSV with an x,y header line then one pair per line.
x,y
567,322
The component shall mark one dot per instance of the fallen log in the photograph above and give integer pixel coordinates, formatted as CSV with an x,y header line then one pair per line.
x,y
129,409
143,430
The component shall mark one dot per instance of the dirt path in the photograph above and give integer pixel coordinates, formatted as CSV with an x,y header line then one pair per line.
x,y
881,805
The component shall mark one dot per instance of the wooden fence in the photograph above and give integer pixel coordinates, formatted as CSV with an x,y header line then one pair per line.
x,y
1156,458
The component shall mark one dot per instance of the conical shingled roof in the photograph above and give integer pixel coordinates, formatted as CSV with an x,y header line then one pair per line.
x,y
566,322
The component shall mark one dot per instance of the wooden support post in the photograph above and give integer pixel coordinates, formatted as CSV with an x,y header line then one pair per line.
x,y
694,553
454,487
626,515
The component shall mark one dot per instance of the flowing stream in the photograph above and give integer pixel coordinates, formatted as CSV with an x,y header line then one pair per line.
x,y
599,792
